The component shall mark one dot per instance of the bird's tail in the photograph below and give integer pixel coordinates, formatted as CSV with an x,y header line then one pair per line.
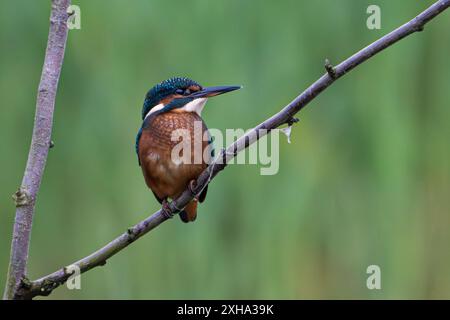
x,y
190,212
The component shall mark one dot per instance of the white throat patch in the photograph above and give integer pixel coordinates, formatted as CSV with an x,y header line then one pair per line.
x,y
193,106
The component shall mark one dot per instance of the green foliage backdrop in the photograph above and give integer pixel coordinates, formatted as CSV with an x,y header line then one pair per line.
x,y
366,179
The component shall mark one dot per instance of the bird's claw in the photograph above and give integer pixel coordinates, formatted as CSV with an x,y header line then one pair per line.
x,y
166,211
191,187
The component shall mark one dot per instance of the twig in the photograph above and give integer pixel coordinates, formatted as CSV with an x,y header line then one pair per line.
x,y
45,285
25,197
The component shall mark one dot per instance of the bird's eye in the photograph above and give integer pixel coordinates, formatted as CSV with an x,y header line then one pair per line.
x,y
179,91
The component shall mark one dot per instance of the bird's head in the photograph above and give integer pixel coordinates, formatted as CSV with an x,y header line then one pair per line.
x,y
180,93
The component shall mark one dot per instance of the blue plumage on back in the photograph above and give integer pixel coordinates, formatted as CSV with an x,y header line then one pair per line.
x,y
136,146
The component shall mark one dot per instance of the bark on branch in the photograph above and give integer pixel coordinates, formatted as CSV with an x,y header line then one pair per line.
x,y
25,197
45,285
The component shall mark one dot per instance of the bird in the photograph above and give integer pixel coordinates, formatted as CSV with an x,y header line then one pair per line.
x,y
175,105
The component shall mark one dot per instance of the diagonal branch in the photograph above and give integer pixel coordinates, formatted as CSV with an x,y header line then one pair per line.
x,y
25,197
45,285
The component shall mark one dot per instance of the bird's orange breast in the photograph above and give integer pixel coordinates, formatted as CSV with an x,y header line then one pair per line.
x,y
162,166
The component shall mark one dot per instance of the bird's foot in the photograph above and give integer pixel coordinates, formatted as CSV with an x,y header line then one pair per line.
x,y
191,187
166,211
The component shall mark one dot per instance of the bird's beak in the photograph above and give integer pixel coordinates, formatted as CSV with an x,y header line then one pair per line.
x,y
214,91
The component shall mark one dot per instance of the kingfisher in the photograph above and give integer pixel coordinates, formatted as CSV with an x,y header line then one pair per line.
x,y
175,104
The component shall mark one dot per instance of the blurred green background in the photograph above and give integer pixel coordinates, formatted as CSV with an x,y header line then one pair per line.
x,y
366,179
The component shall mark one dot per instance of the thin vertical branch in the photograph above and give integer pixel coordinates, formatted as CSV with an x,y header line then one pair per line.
x,y
25,197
